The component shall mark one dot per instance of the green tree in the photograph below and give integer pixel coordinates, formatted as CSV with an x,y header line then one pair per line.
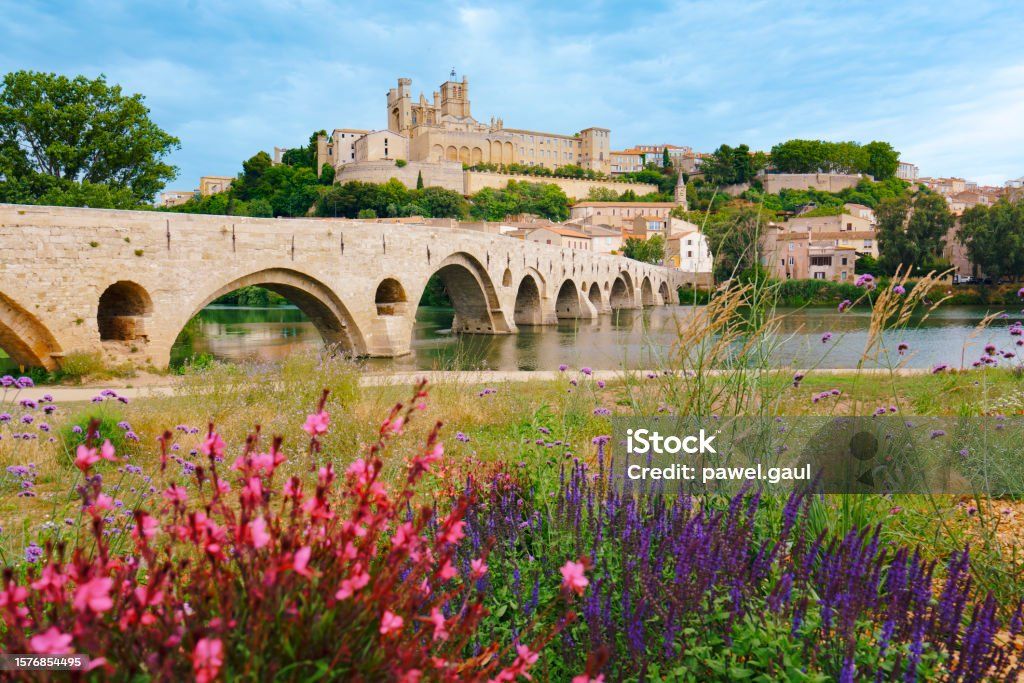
x,y
649,251
994,238
603,194
437,202
80,130
419,180
666,160
366,213
734,236
882,160
731,166
912,231
327,174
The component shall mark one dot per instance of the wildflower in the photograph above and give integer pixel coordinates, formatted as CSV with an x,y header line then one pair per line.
x,y
213,445
437,619
25,382
600,384
51,642
936,433
356,582
936,369
899,289
797,378
33,553
147,527
301,561
107,451
459,436
586,371
587,678
573,578
1020,292
563,367
602,411
867,280
478,568
94,595
390,622
175,494
207,659
447,571
258,533
902,347
85,458
825,337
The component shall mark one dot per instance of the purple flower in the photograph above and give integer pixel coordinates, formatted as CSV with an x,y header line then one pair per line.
x,y
600,384
797,378
825,337
867,280
844,304
6,381
902,347
941,367
586,371
899,289
563,367
459,436
1020,292
76,430
936,433
33,553
602,411
25,382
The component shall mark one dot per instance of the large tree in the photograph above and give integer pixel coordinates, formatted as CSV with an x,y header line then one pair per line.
x,y
80,130
912,231
877,159
994,237
649,251
731,166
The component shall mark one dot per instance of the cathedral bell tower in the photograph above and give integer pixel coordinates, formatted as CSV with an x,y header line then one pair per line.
x,y
455,97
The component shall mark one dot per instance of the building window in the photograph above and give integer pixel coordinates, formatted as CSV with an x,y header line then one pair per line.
x,y
792,246
549,241
689,254
819,276
790,260
844,275
843,261
867,244
821,260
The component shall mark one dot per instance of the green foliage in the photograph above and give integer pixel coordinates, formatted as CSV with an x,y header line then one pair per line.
x,y
666,160
542,199
390,199
912,231
401,163
251,296
107,415
814,292
602,194
98,144
994,237
434,294
327,175
366,213
731,166
78,365
733,234
867,192
664,178
877,159
649,251
419,180
304,157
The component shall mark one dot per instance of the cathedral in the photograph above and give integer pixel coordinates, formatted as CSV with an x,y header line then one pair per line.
x,y
443,129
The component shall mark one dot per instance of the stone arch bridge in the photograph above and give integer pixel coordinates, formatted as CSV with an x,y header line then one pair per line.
x,y
126,282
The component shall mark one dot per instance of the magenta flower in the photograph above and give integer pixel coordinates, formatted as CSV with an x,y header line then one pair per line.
x,y
844,304
51,642
317,423
825,337
573,579
207,658
939,368
563,367
899,289
586,371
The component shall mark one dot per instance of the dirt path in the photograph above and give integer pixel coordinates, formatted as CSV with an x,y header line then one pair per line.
x,y
167,386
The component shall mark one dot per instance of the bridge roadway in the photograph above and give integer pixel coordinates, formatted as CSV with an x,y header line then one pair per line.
x,y
125,283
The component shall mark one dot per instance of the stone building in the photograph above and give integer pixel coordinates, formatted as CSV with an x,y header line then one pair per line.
x,y
443,129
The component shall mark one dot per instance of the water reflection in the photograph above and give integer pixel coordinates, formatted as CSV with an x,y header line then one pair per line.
x,y
631,339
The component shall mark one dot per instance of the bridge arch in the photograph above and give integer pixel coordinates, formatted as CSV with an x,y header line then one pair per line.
x,y
622,293
567,302
390,297
315,299
528,309
24,338
122,312
594,294
664,291
473,295
647,292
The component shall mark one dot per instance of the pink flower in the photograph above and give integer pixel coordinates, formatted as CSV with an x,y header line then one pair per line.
x,y
147,527
573,578
478,568
175,494
354,583
301,562
213,445
396,425
405,535
390,622
258,532
437,619
316,423
86,458
94,595
107,451
207,659
447,571
586,678
454,533
51,642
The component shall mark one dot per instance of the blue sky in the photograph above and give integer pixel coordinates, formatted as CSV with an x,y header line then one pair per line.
x,y
942,80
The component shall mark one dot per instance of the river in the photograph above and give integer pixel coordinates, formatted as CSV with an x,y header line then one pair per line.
x,y
624,339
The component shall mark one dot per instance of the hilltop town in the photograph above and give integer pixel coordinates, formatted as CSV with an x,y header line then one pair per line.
x,y
822,223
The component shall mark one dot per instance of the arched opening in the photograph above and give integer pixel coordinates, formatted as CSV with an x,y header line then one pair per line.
x,y
506,278
23,339
567,304
647,293
664,291
390,298
527,310
467,285
266,316
122,312
606,286
621,297
595,296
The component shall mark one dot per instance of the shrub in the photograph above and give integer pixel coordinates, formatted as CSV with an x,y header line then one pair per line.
x,y
78,365
400,163
242,574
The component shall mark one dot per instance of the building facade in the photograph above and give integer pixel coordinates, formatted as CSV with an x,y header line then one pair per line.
x,y
443,130
907,171
620,214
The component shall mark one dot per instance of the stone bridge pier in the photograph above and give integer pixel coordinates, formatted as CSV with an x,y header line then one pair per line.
x,y
126,283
